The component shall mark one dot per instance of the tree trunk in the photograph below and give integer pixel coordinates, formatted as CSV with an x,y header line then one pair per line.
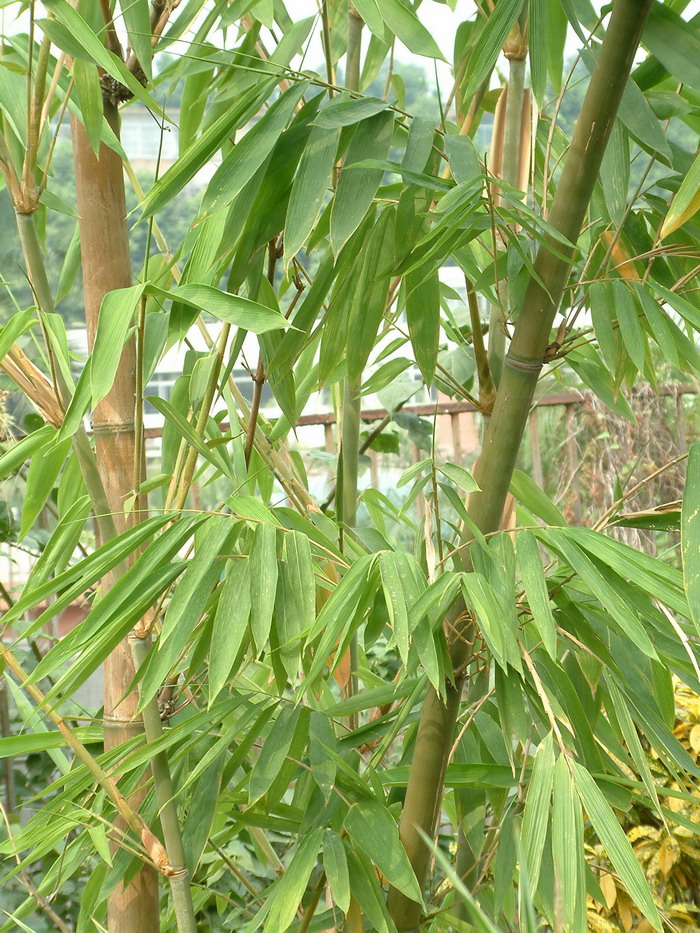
x,y
521,371
106,265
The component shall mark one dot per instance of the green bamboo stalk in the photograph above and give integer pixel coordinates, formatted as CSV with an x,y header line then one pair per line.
x,y
523,363
167,806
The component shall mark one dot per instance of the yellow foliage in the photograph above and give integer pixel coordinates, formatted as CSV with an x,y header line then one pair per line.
x,y
669,855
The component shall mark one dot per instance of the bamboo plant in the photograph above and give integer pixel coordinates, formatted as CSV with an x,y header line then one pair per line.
x,y
345,708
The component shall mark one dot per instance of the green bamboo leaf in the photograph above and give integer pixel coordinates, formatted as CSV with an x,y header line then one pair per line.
x,y
616,844
230,625
202,812
90,897
83,574
19,323
321,741
284,901
30,446
263,582
526,490
406,26
94,50
369,296
481,596
490,42
13,101
357,188
535,585
71,264
538,35
87,86
367,892
249,154
137,19
201,151
623,614
186,431
567,850
460,477
311,183
631,739
41,478
659,326
371,14
676,45
630,328
690,533
335,863
345,110
423,318
241,312
685,203
602,315
29,743
274,752
116,315
393,574
536,812
373,829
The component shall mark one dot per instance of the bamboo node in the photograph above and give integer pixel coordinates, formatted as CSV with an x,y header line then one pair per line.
x,y
525,366
112,427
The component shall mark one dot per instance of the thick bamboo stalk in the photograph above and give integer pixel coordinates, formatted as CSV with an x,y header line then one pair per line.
x,y
106,266
523,363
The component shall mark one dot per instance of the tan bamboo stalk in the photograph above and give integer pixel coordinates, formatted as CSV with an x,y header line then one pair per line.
x,y
106,266
494,469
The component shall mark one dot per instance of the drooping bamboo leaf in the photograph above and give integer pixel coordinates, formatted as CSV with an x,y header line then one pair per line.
x,y
187,166
630,328
230,625
423,318
567,850
617,846
491,41
249,154
346,110
535,585
263,582
41,478
357,187
311,183
686,201
137,19
406,26
538,35
537,808
335,863
241,312
373,829
285,900
116,315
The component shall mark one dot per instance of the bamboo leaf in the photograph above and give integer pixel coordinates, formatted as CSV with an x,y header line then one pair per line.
x,y
274,752
241,312
676,45
263,582
116,315
537,806
538,35
356,188
567,850
249,154
87,86
19,323
95,51
685,203
690,533
490,42
393,575
19,453
423,318
616,844
285,900
335,863
406,26
372,16
345,110
535,585
373,829
230,625
41,478
311,183
630,328
200,152
137,20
